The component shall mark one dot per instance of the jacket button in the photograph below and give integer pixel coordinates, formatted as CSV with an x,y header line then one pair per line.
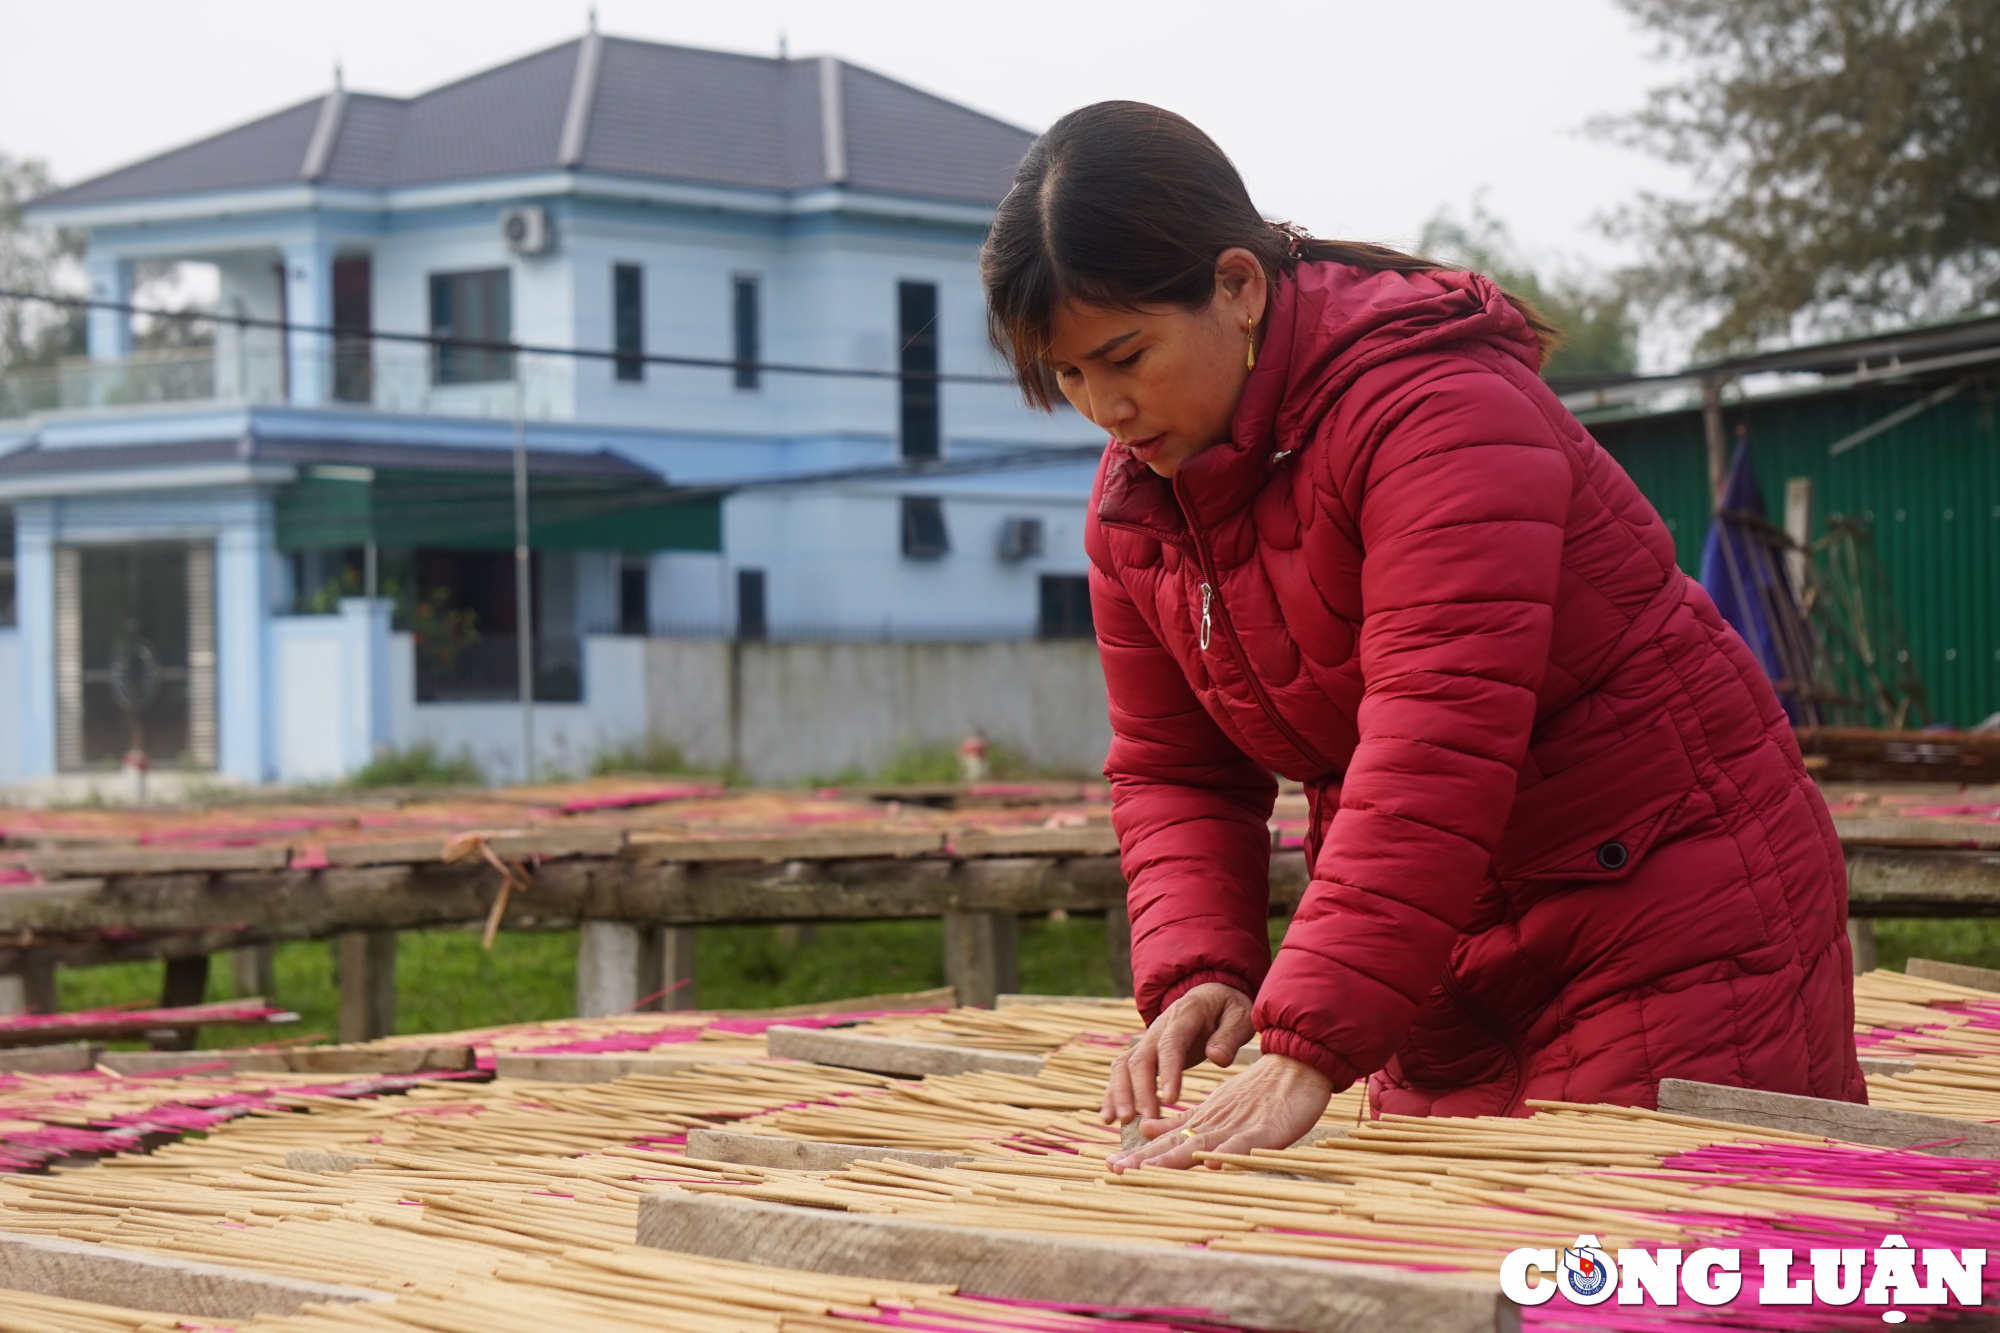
x,y
1613,855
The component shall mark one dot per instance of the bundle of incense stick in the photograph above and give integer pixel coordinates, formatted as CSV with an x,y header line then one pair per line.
x,y
51,1118
519,1243
1913,1018
1031,1027
1055,1111
1458,1194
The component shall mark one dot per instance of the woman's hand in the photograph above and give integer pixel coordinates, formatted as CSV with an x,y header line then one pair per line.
x,y
1269,1105
1211,1020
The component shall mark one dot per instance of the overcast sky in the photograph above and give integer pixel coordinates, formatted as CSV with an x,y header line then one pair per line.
x,y
1356,119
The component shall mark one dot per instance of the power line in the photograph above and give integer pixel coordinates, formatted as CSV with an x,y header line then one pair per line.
x,y
433,340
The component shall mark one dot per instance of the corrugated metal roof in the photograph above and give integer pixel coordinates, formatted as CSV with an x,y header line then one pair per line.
x,y
658,111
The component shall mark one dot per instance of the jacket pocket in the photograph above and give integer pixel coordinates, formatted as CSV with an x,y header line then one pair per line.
x,y
1596,820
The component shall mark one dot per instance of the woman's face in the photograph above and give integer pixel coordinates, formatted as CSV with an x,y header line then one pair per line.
x,y
1162,381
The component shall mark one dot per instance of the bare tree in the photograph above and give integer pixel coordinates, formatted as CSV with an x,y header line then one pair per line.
x,y
1847,157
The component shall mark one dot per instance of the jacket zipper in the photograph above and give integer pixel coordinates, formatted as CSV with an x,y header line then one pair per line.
x,y
1208,600
1494,1029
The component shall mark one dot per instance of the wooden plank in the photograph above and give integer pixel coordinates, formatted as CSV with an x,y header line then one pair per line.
x,y
601,1066
398,851
823,844
300,1060
70,861
1899,831
1835,1120
943,997
718,1145
306,1159
1956,974
1893,881
561,840
1262,1291
142,1281
1010,1000
1873,1065
1091,840
887,1055
72,1058
982,954
116,1026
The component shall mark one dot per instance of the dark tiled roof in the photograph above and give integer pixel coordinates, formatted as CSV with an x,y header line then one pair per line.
x,y
656,111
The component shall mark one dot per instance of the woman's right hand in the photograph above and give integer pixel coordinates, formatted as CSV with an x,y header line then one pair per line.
x,y
1211,1020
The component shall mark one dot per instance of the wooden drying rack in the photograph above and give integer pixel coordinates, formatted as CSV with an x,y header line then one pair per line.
x,y
638,898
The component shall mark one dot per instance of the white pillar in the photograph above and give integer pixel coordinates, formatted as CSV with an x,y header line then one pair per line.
x,y
365,674
35,608
242,659
309,303
110,331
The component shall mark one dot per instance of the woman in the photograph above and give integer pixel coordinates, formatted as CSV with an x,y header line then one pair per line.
x,y
1562,843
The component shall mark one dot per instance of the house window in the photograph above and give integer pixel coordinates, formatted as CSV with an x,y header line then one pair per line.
x,y
924,536
916,313
632,612
460,608
628,322
1066,606
353,322
477,308
751,618
7,618
747,344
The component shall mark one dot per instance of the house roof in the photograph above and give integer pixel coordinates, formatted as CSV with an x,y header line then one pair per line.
x,y
607,105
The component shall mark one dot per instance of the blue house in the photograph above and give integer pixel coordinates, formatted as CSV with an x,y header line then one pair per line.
x,y
272,555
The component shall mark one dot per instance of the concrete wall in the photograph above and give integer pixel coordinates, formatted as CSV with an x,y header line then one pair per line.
x,y
783,711
330,691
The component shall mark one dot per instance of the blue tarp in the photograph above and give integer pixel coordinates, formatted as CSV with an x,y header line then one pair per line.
x,y
1740,573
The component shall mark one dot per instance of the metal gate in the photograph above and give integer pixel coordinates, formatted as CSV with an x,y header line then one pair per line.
x,y
135,655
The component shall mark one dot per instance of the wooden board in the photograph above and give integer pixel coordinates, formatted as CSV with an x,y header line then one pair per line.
x,y
71,861
1874,1065
112,1025
399,851
1834,1120
1262,1291
1956,974
599,1067
826,844
1091,840
717,1145
140,1281
885,1055
306,1159
1895,831
1102,1001
1914,881
940,997
71,1058
299,1060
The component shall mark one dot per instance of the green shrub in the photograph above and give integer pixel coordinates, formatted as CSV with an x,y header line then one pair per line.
x,y
651,755
421,765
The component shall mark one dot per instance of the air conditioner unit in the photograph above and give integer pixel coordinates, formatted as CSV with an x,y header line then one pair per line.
x,y
525,230
1020,538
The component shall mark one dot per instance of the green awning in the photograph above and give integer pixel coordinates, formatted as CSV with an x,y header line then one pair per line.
x,y
474,511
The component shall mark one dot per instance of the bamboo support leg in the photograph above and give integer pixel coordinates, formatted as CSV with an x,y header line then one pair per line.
x,y
979,955
1118,944
365,969
675,971
185,983
32,990
1861,939
253,970
611,959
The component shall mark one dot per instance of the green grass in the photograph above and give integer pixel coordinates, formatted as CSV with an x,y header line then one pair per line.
x,y
651,755
446,981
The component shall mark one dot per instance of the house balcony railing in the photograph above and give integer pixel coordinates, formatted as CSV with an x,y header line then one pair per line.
x,y
389,377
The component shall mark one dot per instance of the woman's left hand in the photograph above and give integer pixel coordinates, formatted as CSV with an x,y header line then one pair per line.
x,y
1269,1105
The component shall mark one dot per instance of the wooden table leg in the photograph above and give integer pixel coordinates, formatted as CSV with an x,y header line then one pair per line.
x,y
1118,944
979,955
365,967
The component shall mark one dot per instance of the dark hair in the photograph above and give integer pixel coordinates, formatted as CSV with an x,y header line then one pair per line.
x,y
1122,205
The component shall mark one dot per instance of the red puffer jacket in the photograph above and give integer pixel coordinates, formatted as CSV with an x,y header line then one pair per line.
x,y
1563,845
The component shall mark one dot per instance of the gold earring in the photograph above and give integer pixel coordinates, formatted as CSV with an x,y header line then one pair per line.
x,y
1250,335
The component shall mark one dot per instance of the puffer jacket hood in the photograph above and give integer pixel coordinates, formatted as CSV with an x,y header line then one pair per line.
x,y
1562,842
